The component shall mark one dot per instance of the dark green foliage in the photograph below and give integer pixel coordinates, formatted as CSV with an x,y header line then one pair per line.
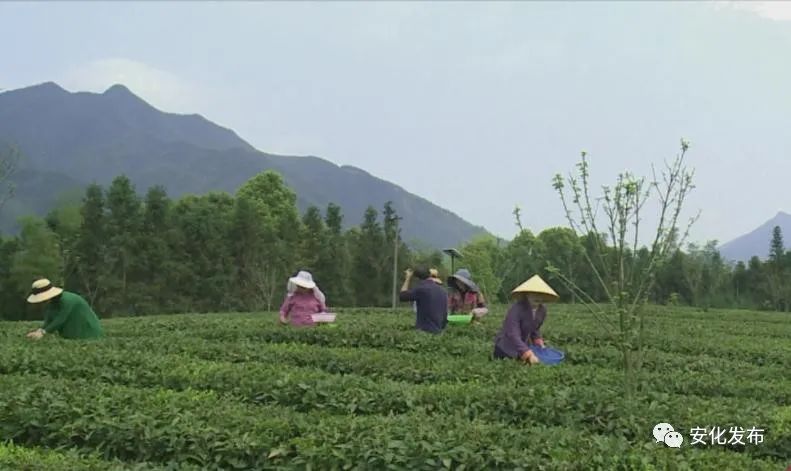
x,y
214,252
218,252
124,231
335,260
369,271
239,391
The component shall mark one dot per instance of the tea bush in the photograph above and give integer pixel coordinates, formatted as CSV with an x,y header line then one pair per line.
x,y
239,391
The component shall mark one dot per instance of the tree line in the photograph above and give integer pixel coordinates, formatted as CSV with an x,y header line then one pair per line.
x,y
216,252
219,252
695,276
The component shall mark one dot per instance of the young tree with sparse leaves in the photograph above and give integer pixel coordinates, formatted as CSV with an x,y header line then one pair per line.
x,y
626,281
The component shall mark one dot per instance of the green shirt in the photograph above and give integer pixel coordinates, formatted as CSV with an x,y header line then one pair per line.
x,y
72,318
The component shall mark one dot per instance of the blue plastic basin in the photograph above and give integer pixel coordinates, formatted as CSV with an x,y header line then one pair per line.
x,y
548,356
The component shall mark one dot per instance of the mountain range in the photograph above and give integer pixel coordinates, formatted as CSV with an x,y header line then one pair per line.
x,y
69,140
756,243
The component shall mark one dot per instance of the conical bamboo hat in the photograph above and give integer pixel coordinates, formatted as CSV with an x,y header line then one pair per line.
x,y
537,287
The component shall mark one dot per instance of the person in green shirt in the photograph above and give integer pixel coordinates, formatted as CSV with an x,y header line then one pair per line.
x,y
64,312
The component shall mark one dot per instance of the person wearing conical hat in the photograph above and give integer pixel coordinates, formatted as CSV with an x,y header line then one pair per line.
x,y
465,296
522,325
303,299
65,313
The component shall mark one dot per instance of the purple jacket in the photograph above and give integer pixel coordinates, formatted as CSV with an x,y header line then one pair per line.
x,y
300,307
522,324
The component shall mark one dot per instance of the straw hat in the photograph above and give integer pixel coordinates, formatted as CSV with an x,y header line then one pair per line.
x,y
433,274
303,279
538,288
42,290
464,276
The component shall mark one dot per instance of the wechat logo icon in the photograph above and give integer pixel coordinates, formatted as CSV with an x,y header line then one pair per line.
x,y
664,432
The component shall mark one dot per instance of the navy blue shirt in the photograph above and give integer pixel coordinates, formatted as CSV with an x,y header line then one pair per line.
x,y
432,306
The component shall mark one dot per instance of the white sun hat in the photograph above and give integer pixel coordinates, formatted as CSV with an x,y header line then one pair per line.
x,y
303,279
42,290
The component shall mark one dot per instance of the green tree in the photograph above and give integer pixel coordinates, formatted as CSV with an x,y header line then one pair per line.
x,y
368,266
90,255
776,246
481,257
626,280
154,256
431,259
202,275
776,279
740,283
693,265
562,249
714,276
335,260
65,222
392,236
276,204
12,299
757,282
250,254
124,220
38,256
312,242
670,280
523,258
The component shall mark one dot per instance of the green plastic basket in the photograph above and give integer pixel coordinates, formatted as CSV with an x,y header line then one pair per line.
x,y
460,319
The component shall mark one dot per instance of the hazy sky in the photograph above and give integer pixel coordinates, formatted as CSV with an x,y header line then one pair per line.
x,y
472,105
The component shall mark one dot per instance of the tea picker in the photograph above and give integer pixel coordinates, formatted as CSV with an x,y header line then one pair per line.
x,y
520,336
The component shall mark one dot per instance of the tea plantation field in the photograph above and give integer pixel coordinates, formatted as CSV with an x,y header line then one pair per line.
x,y
239,391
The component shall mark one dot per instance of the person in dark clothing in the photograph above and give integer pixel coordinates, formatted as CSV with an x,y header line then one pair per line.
x,y
522,325
521,328
430,299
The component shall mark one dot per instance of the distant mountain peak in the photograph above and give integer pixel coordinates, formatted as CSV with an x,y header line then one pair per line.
x,y
50,88
47,85
118,89
756,242
121,94
93,137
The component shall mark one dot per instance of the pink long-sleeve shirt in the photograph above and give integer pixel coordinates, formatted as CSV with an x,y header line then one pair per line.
x,y
299,308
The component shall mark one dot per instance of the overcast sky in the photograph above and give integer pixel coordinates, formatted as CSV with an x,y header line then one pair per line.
x,y
472,105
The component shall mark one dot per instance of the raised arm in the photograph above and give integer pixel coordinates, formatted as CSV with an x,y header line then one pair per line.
x,y
407,294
